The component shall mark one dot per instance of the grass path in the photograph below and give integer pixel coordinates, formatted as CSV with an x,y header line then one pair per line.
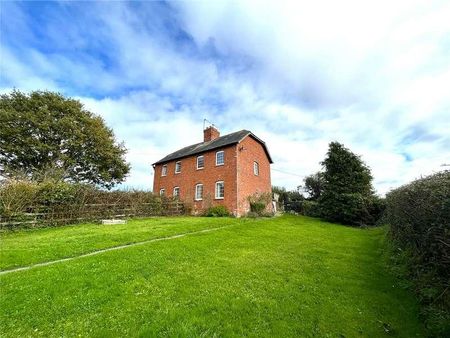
x,y
2,272
284,277
28,247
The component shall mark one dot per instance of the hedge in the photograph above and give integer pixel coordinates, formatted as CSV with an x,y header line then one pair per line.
x,y
418,215
33,204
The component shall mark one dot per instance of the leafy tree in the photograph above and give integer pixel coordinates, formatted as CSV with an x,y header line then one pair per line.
x,y
291,200
313,185
347,191
44,130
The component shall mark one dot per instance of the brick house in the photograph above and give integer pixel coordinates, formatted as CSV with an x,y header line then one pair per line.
x,y
221,170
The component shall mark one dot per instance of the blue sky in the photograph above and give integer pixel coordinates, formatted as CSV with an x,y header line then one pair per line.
x,y
372,75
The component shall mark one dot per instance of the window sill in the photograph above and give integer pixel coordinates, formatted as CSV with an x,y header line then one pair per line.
x,y
178,173
219,198
198,200
220,165
200,168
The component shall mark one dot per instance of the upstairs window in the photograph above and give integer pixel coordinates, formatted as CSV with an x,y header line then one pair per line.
x,y
200,162
199,192
162,192
220,190
164,170
178,167
176,192
256,168
220,158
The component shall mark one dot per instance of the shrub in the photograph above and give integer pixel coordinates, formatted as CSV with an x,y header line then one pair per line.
x,y
376,208
311,208
257,207
418,215
50,193
16,196
29,204
259,202
217,211
294,206
346,208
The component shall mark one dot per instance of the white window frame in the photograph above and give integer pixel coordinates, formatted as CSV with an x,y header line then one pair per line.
x,y
218,190
196,192
203,157
217,153
177,163
164,170
255,168
175,189
162,192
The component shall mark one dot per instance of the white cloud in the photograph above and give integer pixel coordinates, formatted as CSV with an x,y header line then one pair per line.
x,y
372,75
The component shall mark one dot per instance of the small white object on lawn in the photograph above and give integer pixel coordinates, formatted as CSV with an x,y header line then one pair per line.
x,y
113,221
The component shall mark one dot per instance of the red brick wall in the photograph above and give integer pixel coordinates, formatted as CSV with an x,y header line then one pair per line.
x,y
208,176
237,174
250,150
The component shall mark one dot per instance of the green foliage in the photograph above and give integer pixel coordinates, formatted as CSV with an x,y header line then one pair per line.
x,y
294,202
259,202
282,193
16,196
217,211
44,131
310,208
313,185
418,215
26,203
376,207
257,207
291,200
345,172
347,195
51,193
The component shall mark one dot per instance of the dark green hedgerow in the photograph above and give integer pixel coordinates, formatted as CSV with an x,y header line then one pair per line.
x,y
419,226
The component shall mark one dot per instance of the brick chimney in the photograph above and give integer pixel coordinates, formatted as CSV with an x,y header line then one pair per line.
x,y
210,133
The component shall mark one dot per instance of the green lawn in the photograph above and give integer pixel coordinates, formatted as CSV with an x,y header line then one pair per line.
x,y
288,276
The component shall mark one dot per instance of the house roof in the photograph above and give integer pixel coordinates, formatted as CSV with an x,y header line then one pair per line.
x,y
219,142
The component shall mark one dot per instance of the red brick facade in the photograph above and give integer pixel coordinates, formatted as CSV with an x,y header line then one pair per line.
x,y
250,151
236,173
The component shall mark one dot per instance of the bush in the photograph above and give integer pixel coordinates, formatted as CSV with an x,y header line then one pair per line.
x,y
311,208
217,211
51,193
29,203
346,208
294,206
16,196
257,207
418,215
259,202
376,208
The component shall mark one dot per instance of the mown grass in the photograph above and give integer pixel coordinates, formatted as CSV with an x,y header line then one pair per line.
x,y
26,247
283,277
